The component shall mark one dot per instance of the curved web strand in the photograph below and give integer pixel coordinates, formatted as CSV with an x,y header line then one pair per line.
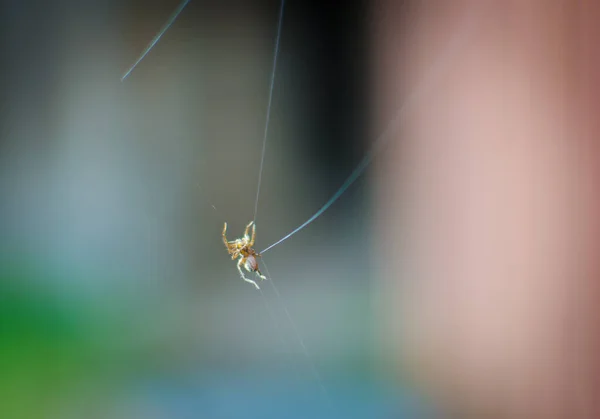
x,y
159,35
418,95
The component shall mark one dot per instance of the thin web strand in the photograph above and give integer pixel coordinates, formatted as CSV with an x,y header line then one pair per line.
x,y
159,35
383,139
268,117
275,322
309,360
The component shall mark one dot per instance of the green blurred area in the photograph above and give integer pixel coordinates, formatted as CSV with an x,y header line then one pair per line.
x,y
67,353
54,350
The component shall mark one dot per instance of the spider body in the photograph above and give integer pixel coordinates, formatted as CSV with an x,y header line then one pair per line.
x,y
243,249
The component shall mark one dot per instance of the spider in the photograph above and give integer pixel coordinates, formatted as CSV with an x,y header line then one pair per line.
x,y
242,248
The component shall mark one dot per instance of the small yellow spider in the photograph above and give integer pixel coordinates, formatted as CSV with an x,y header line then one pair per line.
x,y
242,248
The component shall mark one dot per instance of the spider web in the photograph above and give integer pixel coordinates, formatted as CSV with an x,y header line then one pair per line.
x,y
272,315
423,90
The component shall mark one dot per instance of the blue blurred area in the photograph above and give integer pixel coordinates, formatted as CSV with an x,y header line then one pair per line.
x,y
252,395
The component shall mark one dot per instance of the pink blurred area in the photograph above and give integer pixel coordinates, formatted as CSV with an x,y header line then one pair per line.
x,y
493,190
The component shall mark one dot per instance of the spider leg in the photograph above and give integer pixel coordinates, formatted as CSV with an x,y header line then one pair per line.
x,y
251,244
225,236
248,229
260,275
239,266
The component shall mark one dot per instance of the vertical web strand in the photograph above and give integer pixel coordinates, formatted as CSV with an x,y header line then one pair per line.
x,y
268,117
312,366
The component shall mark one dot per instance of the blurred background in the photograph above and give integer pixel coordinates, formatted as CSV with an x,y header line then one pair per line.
x,y
117,297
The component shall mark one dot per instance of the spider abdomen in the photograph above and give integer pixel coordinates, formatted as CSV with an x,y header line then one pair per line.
x,y
251,263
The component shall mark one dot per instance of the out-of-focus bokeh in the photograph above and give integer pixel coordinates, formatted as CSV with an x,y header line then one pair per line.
x,y
117,297
491,196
